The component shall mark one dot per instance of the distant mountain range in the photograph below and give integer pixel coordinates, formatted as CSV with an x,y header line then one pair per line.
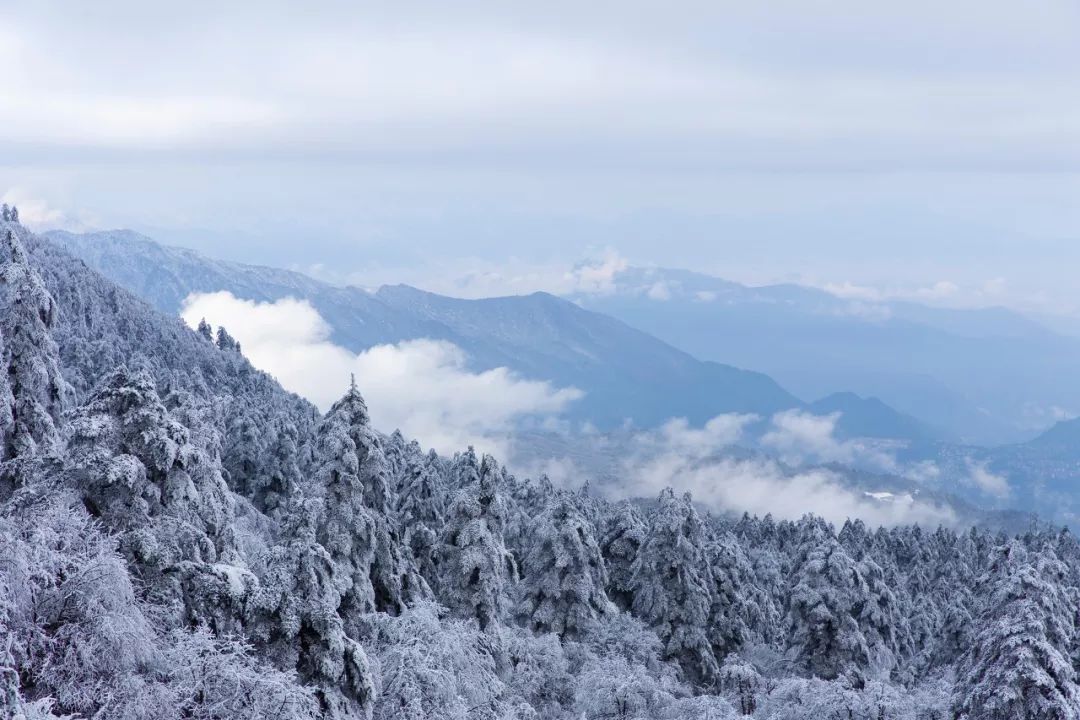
x,y
625,373
983,376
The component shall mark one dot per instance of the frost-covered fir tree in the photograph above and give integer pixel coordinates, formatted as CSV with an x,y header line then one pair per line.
x,y
670,586
82,639
624,531
293,615
475,568
7,408
563,577
225,341
525,501
350,477
824,635
1018,665
131,460
38,393
205,331
395,450
420,506
262,455
741,611
144,475
881,622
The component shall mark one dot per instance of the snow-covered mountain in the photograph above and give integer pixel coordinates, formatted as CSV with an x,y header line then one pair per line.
x,y
181,539
983,375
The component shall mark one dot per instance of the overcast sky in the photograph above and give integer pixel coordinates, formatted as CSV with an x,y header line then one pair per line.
x,y
895,145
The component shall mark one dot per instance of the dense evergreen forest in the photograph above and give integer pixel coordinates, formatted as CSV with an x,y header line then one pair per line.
x,y
181,538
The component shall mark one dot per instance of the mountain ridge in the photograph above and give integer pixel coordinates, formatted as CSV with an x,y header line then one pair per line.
x,y
985,376
624,372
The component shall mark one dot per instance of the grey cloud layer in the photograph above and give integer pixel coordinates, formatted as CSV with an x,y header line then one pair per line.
x,y
690,85
883,144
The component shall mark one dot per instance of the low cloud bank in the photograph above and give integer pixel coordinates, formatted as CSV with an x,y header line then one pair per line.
x,y
686,459
421,386
713,463
992,484
798,437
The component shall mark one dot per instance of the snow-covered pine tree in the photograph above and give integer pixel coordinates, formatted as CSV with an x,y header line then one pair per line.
x,y
205,331
350,477
824,637
261,455
1018,665
624,531
7,412
563,577
293,616
420,506
146,477
881,621
435,668
395,451
475,568
525,501
225,341
670,586
132,461
741,611
39,394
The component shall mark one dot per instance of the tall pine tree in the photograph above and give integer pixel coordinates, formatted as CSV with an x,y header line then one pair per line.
x,y
475,568
1018,666
563,575
670,586
39,395
350,477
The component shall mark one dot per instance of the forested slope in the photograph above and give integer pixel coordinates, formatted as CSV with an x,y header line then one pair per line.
x,y
180,538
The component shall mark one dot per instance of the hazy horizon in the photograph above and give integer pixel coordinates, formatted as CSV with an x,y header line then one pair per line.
x,y
917,152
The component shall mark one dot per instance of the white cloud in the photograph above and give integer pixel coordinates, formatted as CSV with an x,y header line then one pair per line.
x,y
684,458
478,277
723,430
872,301
659,291
798,437
708,462
421,386
36,213
561,471
990,483
598,276
937,291
871,311
851,291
